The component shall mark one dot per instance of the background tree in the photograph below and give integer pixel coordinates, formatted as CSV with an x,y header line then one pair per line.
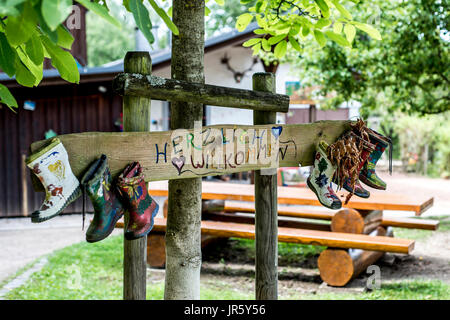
x,y
33,29
408,71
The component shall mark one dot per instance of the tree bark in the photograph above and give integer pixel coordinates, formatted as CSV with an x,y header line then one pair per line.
x,y
183,236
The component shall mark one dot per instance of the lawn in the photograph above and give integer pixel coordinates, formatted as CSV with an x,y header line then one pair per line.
x,y
94,271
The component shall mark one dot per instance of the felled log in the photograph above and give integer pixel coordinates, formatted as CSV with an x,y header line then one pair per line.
x,y
338,266
352,221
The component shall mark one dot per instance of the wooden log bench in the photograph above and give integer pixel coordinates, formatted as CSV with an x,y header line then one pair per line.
x,y
362,217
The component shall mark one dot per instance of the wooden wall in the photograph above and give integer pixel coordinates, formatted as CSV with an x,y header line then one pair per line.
x,y
64,109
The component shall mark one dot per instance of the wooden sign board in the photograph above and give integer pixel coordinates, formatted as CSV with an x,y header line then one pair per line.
x,y
205,151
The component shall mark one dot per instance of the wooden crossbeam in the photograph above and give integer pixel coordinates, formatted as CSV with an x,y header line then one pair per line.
x,y
176,90
295,144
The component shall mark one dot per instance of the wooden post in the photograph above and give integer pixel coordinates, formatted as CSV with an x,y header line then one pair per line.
x,y
183,234
136,117
266,208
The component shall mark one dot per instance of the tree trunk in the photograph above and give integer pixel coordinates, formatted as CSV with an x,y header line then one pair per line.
x,y
183,236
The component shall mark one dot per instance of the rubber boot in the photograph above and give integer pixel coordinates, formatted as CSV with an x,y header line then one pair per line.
x,y
51,165
320,179
368,175
141,207
97,184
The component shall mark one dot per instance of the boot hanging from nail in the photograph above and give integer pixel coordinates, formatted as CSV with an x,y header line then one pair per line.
x,y
51,165
319,180
141,208
97,184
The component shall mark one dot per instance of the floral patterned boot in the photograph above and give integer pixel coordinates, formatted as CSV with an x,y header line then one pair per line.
x,y
96,182
368,175
141,207
51,165
320,179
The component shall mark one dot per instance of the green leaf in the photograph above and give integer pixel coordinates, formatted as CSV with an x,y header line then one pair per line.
x,y
294,30
342,10
19,29
62,60
142,19
53,35
276,39
280,49
259,31
340,40
165,17
65,38
35,69
243,21
207,11
256,48
7,98
320,38
24,76
101,11
350,32
371,31
265,45
305,31
251,42
7,56
337,27
55,11
323,8
34,49
322,23
294,43
220,2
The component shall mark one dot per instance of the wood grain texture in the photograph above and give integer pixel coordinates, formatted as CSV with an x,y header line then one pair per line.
x,y
352,221
136,117
177,90
154,150
301,212
302,196
312,237
337,266
266,225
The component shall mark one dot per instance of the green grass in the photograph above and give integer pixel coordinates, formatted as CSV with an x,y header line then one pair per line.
x,y
94,271
401,290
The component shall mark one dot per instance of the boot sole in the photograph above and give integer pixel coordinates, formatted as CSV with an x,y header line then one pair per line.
x,y
368,183
318,198
36,218
132,236
110,230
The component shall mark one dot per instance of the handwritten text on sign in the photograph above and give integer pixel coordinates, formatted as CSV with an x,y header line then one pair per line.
x,y
212,150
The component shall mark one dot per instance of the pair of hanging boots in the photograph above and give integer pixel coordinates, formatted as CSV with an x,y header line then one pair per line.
x,y
51,166
320,180
111,200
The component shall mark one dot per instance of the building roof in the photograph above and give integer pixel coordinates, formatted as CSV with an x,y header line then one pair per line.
x,y
160,58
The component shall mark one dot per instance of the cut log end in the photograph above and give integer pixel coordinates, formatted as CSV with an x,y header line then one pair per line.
x,y
347,221
336,267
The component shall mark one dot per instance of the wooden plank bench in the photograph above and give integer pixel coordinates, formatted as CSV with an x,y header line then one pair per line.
x,y
304,196
361,217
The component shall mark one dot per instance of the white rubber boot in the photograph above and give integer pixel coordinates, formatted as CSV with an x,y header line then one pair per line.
x,y
51,165
320,179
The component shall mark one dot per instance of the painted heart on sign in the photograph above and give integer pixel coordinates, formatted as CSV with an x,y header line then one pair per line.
x,y
178,163
276,131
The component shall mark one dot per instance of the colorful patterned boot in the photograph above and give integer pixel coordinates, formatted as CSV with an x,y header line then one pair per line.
x,y
141,207
368,175
96,182
320,179
51,165
359,190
